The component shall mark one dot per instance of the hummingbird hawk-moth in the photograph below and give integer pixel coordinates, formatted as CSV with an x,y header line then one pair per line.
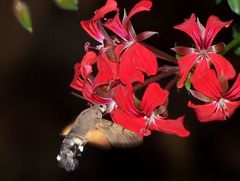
x,y
90,127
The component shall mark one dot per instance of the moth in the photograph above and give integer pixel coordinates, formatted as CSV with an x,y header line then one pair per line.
x,y
90,127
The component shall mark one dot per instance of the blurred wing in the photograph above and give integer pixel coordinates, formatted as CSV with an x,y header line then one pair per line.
x,y
67,129
107,134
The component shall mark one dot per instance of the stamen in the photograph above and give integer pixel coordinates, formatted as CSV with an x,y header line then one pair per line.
x,y
88,46
115,41
145,131
222,105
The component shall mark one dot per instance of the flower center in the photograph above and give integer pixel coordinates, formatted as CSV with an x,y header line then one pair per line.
x,y
203,53
221,104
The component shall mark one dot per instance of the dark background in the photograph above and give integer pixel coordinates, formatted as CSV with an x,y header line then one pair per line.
x,y
35,100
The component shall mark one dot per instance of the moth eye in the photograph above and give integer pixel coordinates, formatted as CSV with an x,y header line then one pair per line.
x,y
102,107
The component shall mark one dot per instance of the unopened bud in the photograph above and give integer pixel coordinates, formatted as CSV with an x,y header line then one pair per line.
x,y
23,15
71,5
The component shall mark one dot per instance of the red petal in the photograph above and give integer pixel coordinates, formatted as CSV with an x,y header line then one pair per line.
x,y
119,49
116,26
86,64
135,60
213,26
90,95
207,84
234,92
231,107
145,35
91,26
77,83
134,124
106,70
124,98
207,112
170,126
127,69
181,50
191,27
201,68
89,58
110,5
185,64
222,65
143,5
153,97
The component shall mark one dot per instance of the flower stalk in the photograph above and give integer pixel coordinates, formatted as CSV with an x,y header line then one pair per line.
x,y
166,71
232,44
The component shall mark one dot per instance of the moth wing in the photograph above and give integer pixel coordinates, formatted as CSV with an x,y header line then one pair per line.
x,y
107,134
98,138
67,129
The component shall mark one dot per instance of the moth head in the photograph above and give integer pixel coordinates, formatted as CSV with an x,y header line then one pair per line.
x,y
67,157
67,160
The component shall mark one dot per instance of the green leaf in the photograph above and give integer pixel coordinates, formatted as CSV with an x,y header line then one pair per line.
x,y
23,15
187,83
237,51
71,5
235,30
177,56
218,1
235,6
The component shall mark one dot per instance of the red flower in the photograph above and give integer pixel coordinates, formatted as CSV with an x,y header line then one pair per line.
x,y
220,103
106,61
107,70
143,117
204,55
82,80
133,56
91,26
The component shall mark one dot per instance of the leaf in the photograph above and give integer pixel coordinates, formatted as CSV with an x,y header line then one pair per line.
x,y
236,34
218,1
235,30
237,51
23,15
187,83
71,5
177,56
234,5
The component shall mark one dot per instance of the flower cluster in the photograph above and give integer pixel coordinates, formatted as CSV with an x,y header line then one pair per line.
x,y
111,72
209,71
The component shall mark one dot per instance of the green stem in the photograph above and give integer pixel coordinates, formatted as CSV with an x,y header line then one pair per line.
x,y
235,42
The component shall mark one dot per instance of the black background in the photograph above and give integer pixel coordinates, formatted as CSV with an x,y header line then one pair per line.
x,y
35,100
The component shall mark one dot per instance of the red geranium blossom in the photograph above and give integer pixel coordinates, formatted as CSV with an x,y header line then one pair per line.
x,y
107,66
134,58
143,117
83,81
220,102
92,27
204,55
